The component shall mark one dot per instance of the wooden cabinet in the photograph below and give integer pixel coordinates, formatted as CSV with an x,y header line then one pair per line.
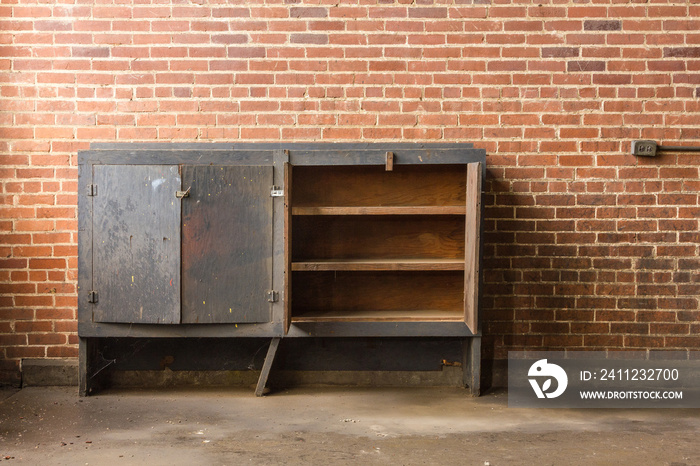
x,y
280,241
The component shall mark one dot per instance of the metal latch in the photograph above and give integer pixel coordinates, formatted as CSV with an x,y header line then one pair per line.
x,y
276,192
92,297
182,194
92,190
272,296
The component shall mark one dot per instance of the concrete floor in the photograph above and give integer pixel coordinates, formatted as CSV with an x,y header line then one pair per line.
x,y
311,426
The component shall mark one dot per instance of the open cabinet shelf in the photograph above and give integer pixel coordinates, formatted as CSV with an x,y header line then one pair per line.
x,y
428,186
378,295
381,237
386,315
378,265
381,210
376,245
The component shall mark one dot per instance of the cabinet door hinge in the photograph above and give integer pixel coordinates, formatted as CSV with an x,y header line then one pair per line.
x,y
276,192
272,296
92,297
92,190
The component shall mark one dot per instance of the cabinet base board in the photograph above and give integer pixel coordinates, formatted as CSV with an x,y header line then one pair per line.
x,y
447,377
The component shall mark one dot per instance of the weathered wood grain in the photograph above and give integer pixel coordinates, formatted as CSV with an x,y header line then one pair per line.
x,y
241,146
472,247
377,237
375,210
365,329
471,362
287,246
379,265
384,315
267,365
373,186
372,156
226,244
396,295
136,244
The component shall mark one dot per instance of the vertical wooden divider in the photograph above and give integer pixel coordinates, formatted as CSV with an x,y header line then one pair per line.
x,y
287,246
471,252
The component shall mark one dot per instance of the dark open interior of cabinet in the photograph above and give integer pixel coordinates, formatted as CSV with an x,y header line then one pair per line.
x,y
375,245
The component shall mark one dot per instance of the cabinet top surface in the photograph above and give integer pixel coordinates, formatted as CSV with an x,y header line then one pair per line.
x,y
275,145
270,154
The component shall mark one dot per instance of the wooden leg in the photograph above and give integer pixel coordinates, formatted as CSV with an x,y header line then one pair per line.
x,y
267,365
92,373
86,356
472,365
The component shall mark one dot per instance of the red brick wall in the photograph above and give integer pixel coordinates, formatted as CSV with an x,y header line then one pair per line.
x,y
586,245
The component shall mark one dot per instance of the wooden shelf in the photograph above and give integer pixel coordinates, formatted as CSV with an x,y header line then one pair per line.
x,y
375,246
381,210
378,265
398,315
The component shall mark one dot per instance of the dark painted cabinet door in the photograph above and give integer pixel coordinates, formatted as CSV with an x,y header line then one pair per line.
x,y
136,243
163,259
226,244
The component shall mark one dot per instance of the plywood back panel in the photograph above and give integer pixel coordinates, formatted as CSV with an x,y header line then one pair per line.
x,y
405,185
354,294
378,237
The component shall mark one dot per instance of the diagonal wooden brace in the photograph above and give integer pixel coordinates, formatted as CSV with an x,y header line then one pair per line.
x,y
267,365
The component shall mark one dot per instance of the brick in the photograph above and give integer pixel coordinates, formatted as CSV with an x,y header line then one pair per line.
x,y
580,66
681,52
560,52
679,11
246,52
314,39
46,339
231,12
19,352
308,12
602,25
612,79
431,13
36,326
631,341
387,66
61,352
682,342
52,25
605,341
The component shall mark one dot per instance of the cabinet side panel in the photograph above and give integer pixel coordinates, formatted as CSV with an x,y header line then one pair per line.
x,y
136,244
287,246
84,242
472,247
226,244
